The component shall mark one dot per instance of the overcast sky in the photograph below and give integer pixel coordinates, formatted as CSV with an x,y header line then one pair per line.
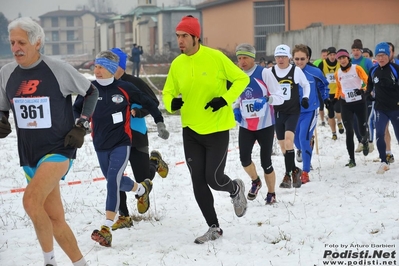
x,y
36,8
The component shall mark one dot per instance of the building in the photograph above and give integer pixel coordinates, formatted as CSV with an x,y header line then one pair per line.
x,y
69,32
226,23
153,27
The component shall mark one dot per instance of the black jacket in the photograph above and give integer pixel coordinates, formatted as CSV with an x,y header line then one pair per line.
x,y
384,83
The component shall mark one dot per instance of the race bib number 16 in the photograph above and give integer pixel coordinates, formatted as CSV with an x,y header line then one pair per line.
x,y
248,109
32,113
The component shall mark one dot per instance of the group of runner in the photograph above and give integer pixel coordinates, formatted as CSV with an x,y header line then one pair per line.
x,y
348,85
362,60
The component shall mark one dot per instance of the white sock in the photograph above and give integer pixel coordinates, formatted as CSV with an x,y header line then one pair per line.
x,y
388,152
81,262
140,190
49,258
108,223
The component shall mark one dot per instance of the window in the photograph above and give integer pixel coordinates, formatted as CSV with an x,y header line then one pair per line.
x,y
54,22
269,18
70,35
69,22
56,49
71,49
55,36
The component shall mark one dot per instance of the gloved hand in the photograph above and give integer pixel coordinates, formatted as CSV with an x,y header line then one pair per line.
x,y
75,137
237,115
177,103
334,101
305,102
260,102
5,127
370,98
162,132
216,104
327,103
359,92
138,113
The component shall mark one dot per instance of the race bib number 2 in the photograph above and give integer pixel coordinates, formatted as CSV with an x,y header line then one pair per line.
x,y
286,88
32,113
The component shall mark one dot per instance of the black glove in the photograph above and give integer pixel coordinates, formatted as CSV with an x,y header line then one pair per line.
x,y
177,103
5,127
359,92
305,102
370,98
334,101
216,103
75,137
327,103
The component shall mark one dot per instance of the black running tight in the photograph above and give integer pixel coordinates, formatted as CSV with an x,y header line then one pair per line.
x,y
206,159
347,112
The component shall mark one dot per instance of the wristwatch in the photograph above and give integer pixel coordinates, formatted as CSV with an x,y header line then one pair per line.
x,y
82,122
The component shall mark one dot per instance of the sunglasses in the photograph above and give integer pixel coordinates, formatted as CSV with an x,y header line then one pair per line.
x,y
301,59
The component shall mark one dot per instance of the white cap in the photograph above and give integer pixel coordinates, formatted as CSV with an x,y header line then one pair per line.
x,y
282,50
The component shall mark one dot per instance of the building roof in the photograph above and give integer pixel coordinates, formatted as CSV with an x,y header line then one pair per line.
x,y
76,13
211,3
65,13
144,10
179,8
153,10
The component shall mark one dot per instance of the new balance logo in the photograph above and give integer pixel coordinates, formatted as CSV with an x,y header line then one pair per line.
x,y
32,124
27,87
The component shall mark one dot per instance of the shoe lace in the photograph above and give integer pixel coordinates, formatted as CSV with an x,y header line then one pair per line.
x,y
105,233
141,199
236,200
120,221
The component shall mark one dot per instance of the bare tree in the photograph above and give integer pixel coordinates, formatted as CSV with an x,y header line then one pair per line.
x,y
100,6
4,43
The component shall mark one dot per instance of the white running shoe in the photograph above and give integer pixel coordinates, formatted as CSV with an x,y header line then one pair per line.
x,y
299,156
213,233
359,147
383,168
371,147
239,200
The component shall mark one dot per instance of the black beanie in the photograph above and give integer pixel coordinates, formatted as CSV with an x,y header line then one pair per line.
x,y
331,50
357,44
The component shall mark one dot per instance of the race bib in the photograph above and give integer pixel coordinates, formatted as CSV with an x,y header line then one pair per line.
x,y
330,78
248,109
351,96
286,88
32,113
117,117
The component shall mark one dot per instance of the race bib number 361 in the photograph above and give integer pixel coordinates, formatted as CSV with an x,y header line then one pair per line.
x,y
33,113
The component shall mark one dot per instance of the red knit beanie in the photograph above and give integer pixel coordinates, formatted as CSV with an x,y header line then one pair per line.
x,y
190,25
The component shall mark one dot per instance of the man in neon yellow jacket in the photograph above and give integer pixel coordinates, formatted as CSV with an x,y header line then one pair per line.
x,y
197,85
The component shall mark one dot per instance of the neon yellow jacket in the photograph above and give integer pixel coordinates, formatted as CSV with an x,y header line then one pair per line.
x,y
198,79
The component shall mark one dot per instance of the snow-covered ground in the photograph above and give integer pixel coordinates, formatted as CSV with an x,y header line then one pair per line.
x,y
340,212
